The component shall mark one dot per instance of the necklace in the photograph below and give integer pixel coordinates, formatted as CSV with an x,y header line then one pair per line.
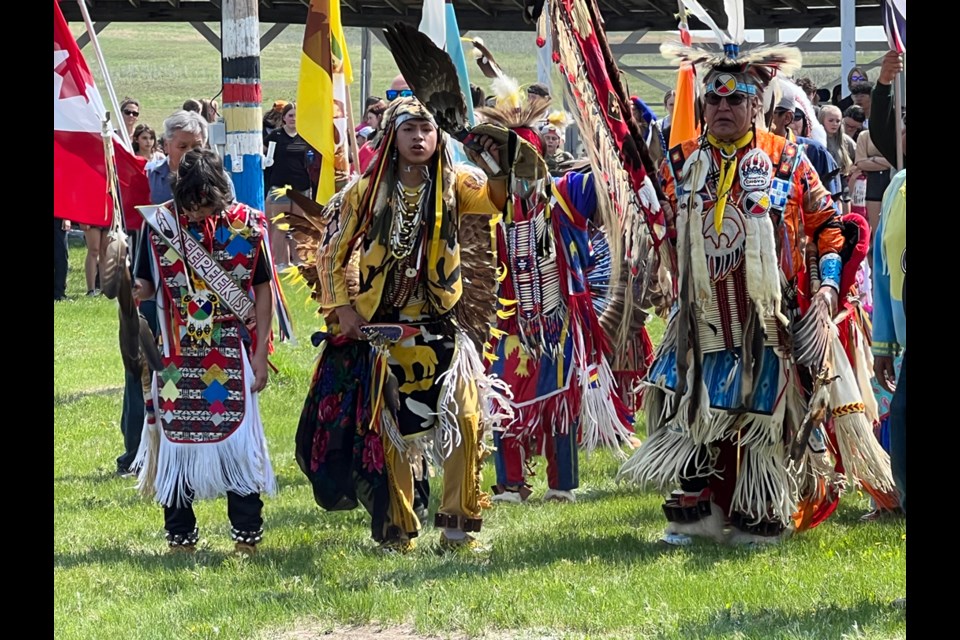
x,y
407,216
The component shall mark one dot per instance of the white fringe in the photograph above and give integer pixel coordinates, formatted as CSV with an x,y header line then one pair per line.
x,y
708,425
764,430
765,486
762,268
600,424
863,457
864,460
494,397
390,429
146,458
240,463
863,370
702,287
666,456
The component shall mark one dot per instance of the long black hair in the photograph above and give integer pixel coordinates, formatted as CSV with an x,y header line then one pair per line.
x,y
201,182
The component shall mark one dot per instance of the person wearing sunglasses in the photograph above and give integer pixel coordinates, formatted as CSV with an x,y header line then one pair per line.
x,y
130,110
743,205
854,77
374,115
393,94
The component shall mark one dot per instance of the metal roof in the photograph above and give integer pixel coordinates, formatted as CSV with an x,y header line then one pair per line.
x,y
486,15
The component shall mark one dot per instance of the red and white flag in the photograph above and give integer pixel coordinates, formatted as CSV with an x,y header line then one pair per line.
x,y
79,168
895,24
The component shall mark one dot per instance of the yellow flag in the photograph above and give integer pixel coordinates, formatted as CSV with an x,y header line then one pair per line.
x,y
321,92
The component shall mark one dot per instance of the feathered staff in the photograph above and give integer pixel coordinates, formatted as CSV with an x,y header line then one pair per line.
x,y
630,202
137,345
433,78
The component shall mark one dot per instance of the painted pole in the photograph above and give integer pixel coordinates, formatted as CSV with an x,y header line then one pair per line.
x,y
242,98
848,42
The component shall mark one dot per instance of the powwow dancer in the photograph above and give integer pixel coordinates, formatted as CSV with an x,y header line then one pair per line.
x,y
205,255
547,343
750,360
372,413
626,277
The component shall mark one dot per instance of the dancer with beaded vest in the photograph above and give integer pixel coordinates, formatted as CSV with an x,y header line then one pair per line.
x,y
387,249
205,255
547,342
751,361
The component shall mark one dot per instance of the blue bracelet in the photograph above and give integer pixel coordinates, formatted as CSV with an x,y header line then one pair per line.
x,y
830,268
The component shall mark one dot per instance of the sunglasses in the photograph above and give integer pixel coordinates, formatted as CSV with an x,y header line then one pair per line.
x,y
733,99
393,94
856,78
134,114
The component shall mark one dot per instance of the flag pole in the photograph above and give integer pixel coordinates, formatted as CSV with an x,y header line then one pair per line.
x,y
351,134
898,117
124,134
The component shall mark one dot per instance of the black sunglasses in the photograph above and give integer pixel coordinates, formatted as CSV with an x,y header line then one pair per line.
x,y
733,99
135,114
393,94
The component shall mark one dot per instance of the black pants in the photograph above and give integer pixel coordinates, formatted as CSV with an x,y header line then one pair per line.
x,y
245,513
132,413
59,259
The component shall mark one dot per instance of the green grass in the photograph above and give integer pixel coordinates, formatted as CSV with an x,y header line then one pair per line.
x,y
590,570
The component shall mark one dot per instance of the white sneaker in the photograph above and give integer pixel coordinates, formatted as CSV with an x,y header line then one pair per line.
x,y
557,495
507,496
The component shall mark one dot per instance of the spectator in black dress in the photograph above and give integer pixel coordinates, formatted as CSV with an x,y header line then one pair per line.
x,y
288,167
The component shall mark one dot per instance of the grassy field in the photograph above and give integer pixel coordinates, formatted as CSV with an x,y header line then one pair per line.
x,y
591,570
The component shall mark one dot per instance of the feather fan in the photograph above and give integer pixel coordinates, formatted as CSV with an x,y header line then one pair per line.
x,y
433,78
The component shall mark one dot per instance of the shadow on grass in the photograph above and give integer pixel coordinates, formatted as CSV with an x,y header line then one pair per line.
x,y
214,551
70,398
822,622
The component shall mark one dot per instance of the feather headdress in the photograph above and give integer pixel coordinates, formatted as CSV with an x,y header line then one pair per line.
x,y
517,110
753,67
557,122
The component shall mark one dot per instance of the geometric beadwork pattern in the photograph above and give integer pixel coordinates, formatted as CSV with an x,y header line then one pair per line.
x,y
202,388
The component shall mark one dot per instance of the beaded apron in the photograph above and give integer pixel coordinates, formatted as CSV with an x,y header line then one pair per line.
x,y
201,387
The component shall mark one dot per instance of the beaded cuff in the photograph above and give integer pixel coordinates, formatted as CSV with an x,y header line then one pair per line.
x,y
183,539
891,349
830,267
247,537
